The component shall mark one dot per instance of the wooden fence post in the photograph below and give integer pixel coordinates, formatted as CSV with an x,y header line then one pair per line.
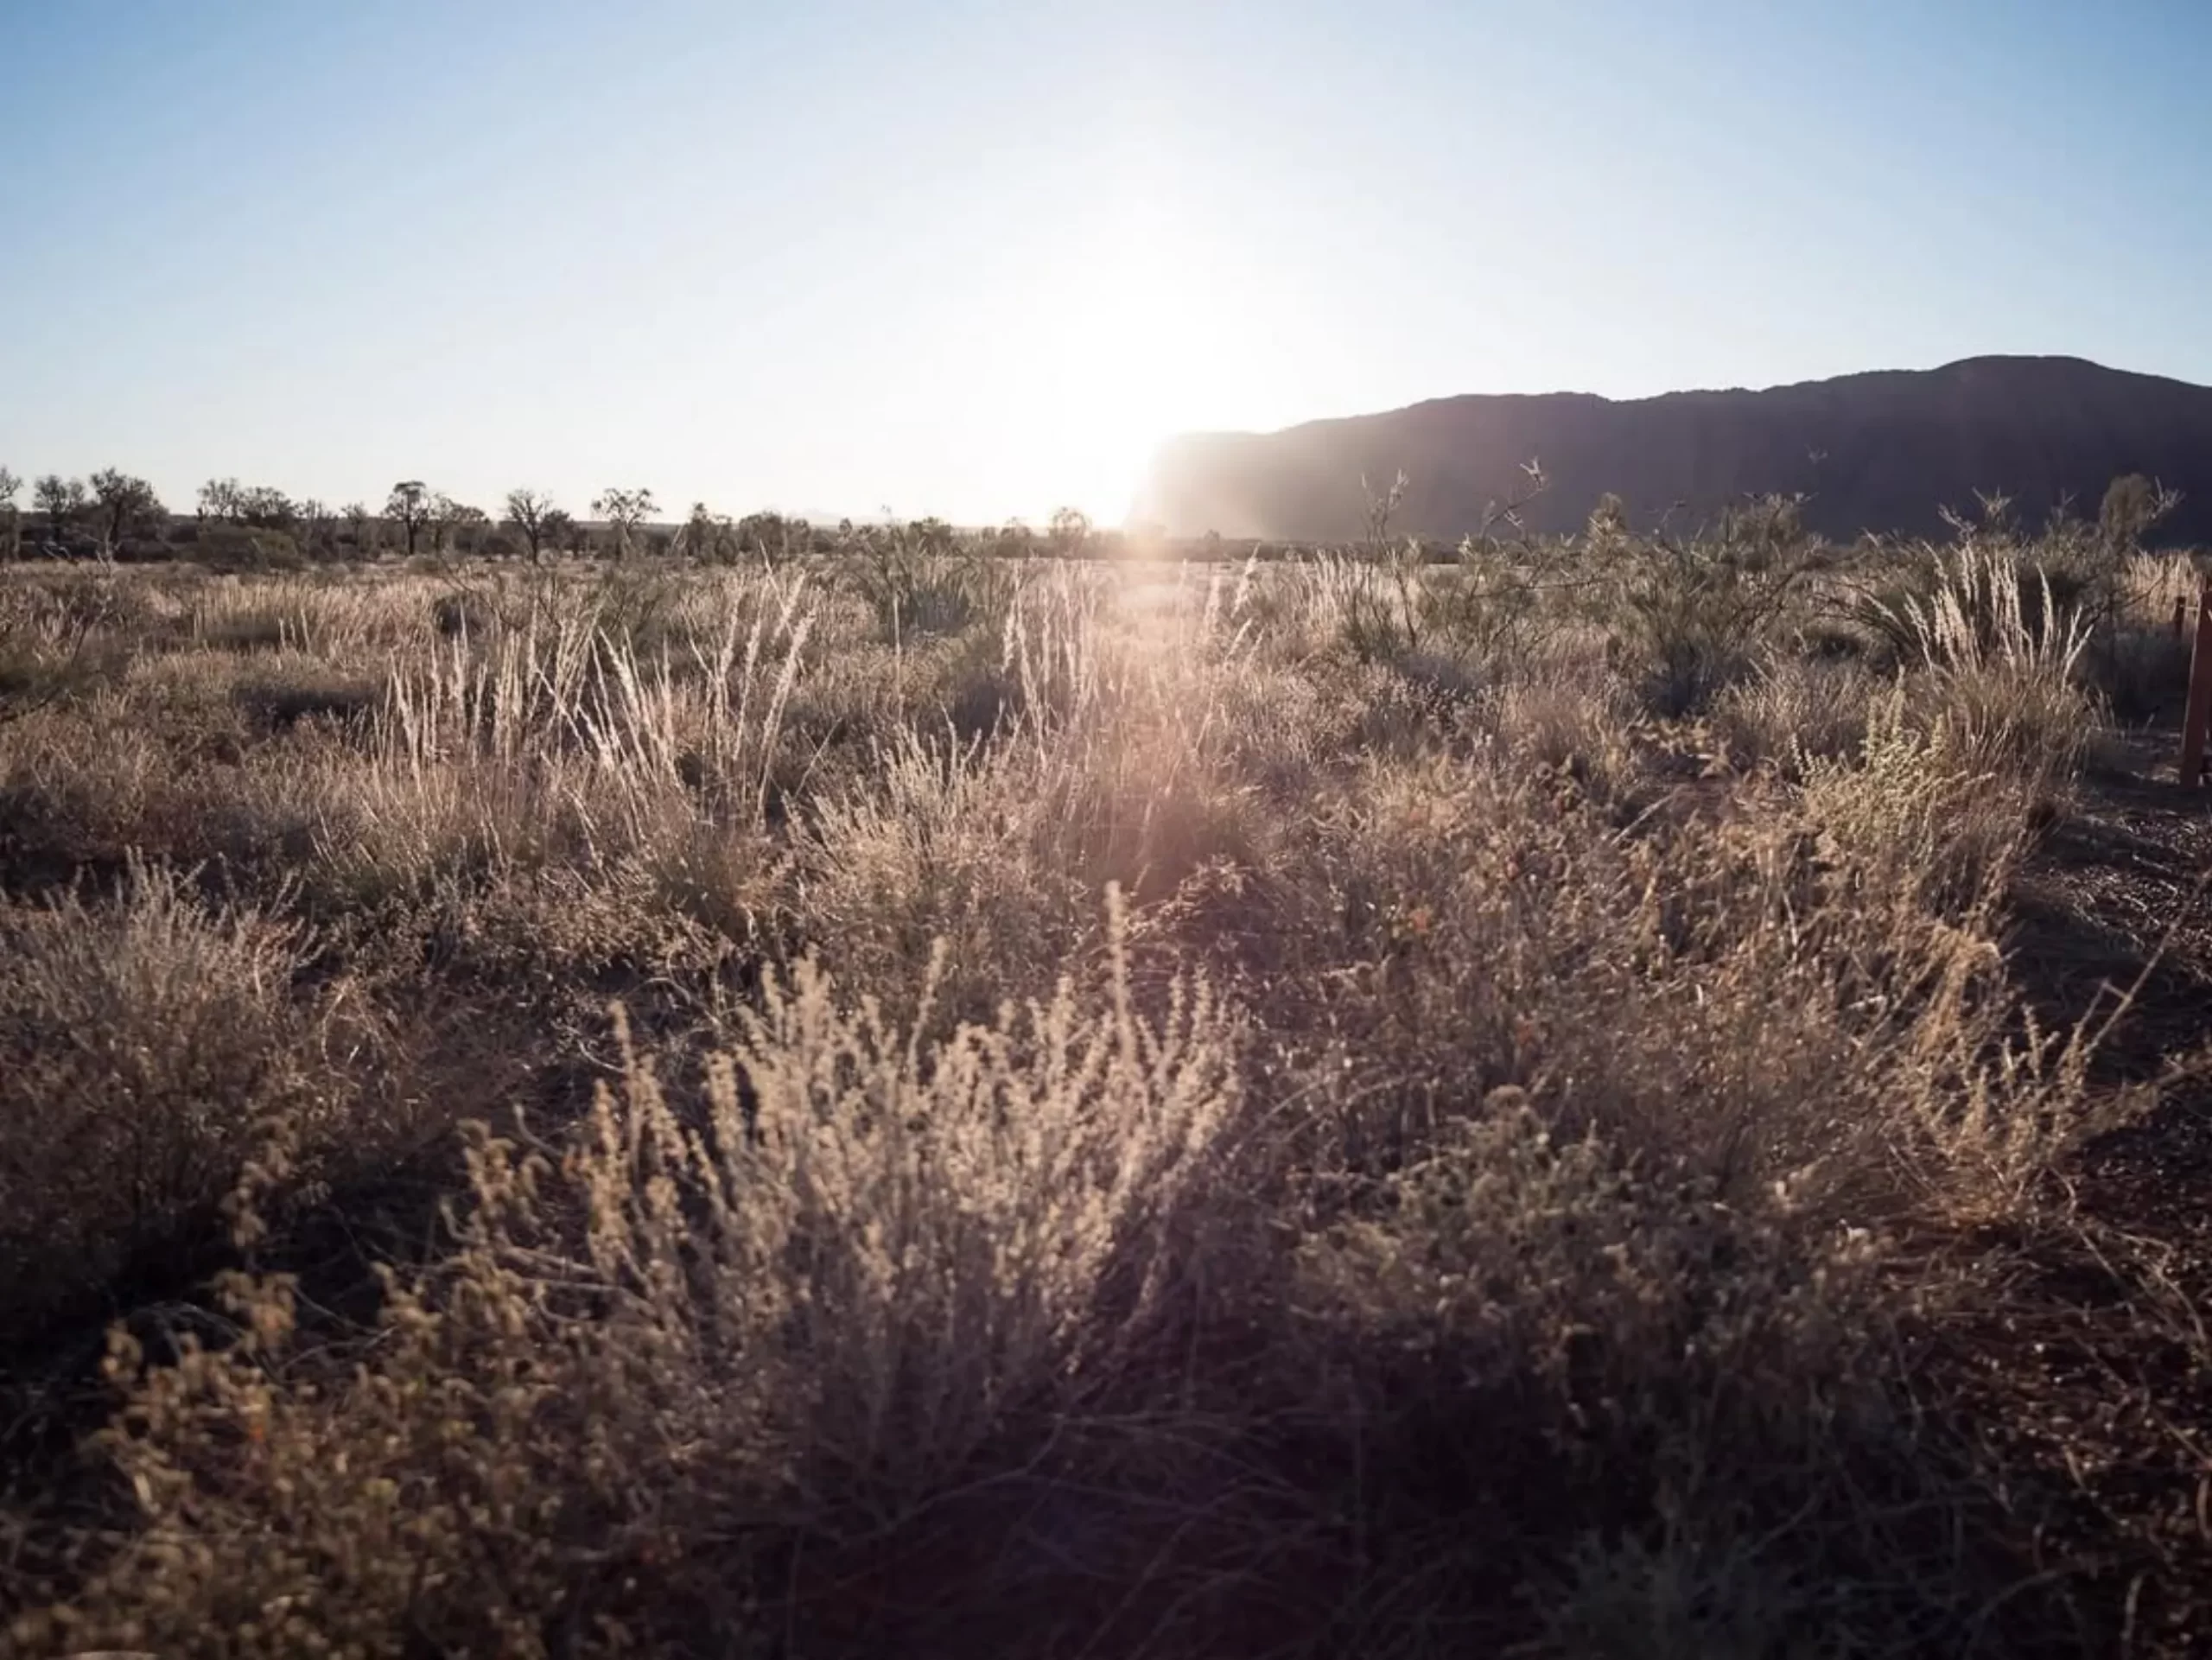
x,y
2181,614
2199,713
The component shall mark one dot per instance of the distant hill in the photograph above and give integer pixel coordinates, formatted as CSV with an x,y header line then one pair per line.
x,y
1882,451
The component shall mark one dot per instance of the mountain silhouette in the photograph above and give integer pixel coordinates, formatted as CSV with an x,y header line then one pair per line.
x,y
1883,451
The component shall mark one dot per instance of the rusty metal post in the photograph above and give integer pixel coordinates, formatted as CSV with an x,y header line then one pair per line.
x,y
2199,715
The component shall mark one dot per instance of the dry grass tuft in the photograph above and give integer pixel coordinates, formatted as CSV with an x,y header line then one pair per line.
x,y
153,1040
802,1300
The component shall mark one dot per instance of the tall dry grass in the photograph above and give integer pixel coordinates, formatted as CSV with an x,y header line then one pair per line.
x,y
1139,1109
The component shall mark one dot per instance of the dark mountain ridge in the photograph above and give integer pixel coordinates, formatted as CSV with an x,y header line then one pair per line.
x,y
1883,450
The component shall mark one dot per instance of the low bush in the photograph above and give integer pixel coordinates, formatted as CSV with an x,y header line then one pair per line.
x,y
852,1268
155,1042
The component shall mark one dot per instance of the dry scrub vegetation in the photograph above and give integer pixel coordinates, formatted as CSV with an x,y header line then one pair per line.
x,y
900,1102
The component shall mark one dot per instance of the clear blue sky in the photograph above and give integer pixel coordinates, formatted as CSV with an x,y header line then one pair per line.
x,y
974,259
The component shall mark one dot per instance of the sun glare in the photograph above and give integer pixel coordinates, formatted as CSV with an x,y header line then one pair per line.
x,y
1117,343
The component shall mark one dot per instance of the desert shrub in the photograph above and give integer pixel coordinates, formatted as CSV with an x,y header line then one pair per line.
x,y
1393,600
150,1041
2138,660
917,587
1146,805
548,742
237,614
239,548
279,701
934,841
638,605
1792,706
143,550
1998,666
1987,589
98,599
1538,1336
773,538
1712,991
852,1272
2153,585
461,613
1688,617
2142,673
58,641
1379,598
1497,610
1910,813
1540,1261
1569,717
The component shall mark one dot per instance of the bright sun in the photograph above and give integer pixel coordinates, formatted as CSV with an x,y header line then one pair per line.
x,y
1116,341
